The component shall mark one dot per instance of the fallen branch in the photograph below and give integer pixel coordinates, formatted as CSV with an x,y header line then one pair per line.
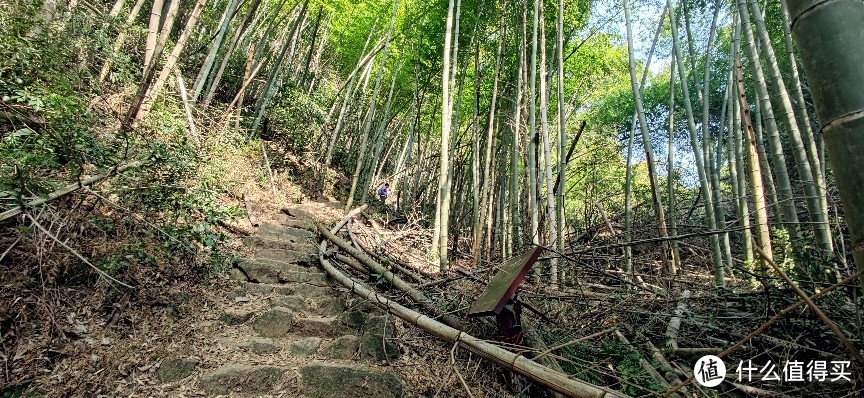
x,y
740,343
401,267
394,280
514,362
67,190
840,336
675,322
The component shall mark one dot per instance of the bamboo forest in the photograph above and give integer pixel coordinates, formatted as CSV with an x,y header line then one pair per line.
x,y
440,198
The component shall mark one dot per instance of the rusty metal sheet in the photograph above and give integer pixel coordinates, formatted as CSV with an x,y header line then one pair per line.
x,y
503,285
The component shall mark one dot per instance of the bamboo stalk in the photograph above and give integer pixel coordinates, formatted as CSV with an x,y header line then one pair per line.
x,y
397,282
514,362
67,190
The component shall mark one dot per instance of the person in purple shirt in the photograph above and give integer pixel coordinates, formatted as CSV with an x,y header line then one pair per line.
x,y
383,192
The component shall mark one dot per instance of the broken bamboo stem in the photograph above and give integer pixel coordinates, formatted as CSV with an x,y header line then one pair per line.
x,y
515,362
67,190
397,282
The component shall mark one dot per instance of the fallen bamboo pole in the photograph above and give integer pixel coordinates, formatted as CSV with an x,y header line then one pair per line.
x,y
517,363
67,190
397,282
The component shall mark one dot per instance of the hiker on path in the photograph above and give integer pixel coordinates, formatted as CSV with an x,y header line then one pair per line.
x,y
383,192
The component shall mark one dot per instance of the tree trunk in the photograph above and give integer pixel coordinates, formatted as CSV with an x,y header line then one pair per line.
x,y
811,177
152,33
270,87
215,45
244,24
697,152
667,255
832,52
171,61
121,39
784,185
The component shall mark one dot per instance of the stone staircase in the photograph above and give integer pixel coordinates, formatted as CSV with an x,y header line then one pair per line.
x,y
285,330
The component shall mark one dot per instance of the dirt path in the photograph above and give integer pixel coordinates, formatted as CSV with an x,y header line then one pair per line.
x,y
284,330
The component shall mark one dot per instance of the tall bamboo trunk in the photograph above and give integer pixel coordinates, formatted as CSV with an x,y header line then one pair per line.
x,y
152,33
697,152
121,39
215,45
229,51
829,37
811,177
784,185
171,61
532,135
270,87
667,255
763,233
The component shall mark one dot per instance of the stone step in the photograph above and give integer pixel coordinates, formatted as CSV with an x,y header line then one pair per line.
x,y
297,234
261,346
266,288
259,242
344,381
319,326
322,306
276,322
265,271
244,379
295,222
305,258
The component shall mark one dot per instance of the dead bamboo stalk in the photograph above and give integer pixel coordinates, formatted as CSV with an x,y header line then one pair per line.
x,y
740,343
67,190
394,262
674,325
643,363
842,337
397,282
573,342
515,362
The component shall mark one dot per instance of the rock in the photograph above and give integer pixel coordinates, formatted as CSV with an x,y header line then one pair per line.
x,y
264,288
264,346
354,319
300,254
375,341
381,325
237,275
318,326
312,291
276,242
176,369
342,348
337,381
241,378
330,306
271,271
367,307
295,303
233,316
281,232
306,347
207,327
276,322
